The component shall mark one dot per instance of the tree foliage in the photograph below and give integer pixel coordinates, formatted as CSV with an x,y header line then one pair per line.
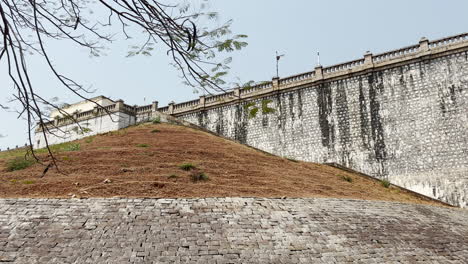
x,y
189,34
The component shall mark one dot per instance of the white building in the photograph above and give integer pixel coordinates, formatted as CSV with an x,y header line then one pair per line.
x,y
90,117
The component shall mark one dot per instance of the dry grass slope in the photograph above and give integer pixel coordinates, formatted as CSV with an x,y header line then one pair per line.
x,y
135,162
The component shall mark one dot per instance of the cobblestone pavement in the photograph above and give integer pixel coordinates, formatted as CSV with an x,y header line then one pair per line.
x,y
229,230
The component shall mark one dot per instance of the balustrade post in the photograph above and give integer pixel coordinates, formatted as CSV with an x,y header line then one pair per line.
x,y
424,45
237,92
154,106
368,59
95,110
201,101
319,72
119,105
275,82
171,108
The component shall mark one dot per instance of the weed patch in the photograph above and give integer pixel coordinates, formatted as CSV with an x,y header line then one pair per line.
x,y
347,178
385,183
104,148
19,164
142,145
28,182
187,166
157,120
120,132
71,147
155,131
199,176
22,182
173,176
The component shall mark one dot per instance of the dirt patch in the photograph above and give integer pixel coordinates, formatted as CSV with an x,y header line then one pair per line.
x,y
231,170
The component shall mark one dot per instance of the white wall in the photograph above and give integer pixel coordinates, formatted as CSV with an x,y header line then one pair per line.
x,y
97,125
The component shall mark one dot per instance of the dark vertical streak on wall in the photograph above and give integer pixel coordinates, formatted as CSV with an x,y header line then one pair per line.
x,y
265,122
421,70
343,121
220,122
453,96
202,116
299,103
363,116
448,98
291,106
240,129
282,114
325,106
376,89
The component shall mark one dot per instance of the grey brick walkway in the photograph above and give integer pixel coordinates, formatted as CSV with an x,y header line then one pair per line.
x,y
229,230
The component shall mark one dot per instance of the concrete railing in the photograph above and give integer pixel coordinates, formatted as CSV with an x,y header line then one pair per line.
x,y
186,104
370,61
424,48
448,40
164,109
97,111
219,97
343,66
144,109
128,109
259,87
109,108
296,78
85,114
395,53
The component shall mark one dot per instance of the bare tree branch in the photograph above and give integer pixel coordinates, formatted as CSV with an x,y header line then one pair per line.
x,y
25,25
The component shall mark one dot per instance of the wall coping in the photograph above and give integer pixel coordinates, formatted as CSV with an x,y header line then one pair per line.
x,y
369,62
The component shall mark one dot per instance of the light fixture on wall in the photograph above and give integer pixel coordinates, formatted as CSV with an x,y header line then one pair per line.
x,y
278,57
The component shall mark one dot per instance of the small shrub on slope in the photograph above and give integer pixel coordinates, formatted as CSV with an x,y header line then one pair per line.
x,y
347,178
187,166
385,183
72,147
157,120
19,164
199,176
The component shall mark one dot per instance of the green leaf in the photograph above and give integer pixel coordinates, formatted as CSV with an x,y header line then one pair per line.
x,y
227,60
240,36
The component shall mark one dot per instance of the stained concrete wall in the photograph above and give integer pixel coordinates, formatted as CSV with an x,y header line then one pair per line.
x,y
408,124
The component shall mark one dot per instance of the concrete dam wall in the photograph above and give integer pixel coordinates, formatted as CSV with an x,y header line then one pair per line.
x,y
401,116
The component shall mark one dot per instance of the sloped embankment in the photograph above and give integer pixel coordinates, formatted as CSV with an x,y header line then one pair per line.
x,y
230,230
162,160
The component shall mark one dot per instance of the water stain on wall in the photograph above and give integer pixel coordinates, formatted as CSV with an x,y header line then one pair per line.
x,y
376,88
240,128
325,106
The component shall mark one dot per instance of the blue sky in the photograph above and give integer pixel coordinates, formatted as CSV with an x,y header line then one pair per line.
x,y
341,30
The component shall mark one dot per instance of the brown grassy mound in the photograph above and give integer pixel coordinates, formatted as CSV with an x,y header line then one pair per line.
x,y
146,161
